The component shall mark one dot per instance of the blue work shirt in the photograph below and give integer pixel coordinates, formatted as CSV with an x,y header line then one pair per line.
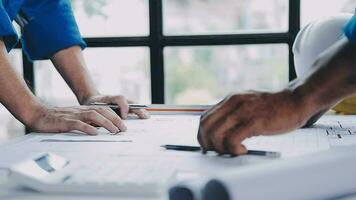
x,y
350,29
49,26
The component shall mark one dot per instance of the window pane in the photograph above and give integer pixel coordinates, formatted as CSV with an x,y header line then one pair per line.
x,y
9,125
15,57
114,71
204,75
50,87
223,17
311,9
105,18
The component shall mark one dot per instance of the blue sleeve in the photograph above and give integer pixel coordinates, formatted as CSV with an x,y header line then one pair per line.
x,y
51,28
350,29
7,31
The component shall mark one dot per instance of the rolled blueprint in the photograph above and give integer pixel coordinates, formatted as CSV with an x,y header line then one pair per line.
x,y
323,175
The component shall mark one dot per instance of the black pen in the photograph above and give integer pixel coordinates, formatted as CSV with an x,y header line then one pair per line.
x,y
181,147
197,148
115,106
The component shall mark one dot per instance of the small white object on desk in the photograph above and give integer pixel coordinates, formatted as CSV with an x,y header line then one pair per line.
x,y
50,173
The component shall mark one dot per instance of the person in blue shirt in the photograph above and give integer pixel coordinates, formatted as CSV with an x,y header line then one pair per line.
x,y
49,31
330,79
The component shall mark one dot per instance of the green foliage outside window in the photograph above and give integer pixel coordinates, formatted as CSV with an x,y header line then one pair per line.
x,y
92,8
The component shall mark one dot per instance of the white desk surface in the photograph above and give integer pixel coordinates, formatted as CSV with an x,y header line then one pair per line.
x,y
197,162
8,192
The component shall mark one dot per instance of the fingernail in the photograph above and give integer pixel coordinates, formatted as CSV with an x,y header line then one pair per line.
x,y
124,116
242,149
240,152
116,130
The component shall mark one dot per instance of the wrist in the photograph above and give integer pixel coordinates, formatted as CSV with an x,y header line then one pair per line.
x,y
87,96
305,103
32,114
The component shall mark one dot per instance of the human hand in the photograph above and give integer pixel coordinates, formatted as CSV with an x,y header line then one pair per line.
x,y
121,102
81,118
315,118
226,125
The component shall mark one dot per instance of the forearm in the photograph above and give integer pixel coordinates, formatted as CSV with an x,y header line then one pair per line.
x,y
333,78
14,93
71,65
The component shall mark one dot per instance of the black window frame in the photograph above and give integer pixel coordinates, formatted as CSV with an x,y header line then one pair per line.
x,y
156,41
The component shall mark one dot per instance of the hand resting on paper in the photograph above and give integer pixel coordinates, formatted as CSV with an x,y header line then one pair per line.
x,y
240,116
81,118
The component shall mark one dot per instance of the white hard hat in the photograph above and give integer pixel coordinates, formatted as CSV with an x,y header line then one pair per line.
x,y
315,38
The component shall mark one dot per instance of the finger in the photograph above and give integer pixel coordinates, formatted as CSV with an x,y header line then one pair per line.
x,y
204,127
221,112
109,109
94,117
203,140
215,131
112,116
233,140
141,113
72,124
222,127
213,109
123,105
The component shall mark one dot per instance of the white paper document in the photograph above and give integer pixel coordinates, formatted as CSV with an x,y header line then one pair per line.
x,y
144,138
